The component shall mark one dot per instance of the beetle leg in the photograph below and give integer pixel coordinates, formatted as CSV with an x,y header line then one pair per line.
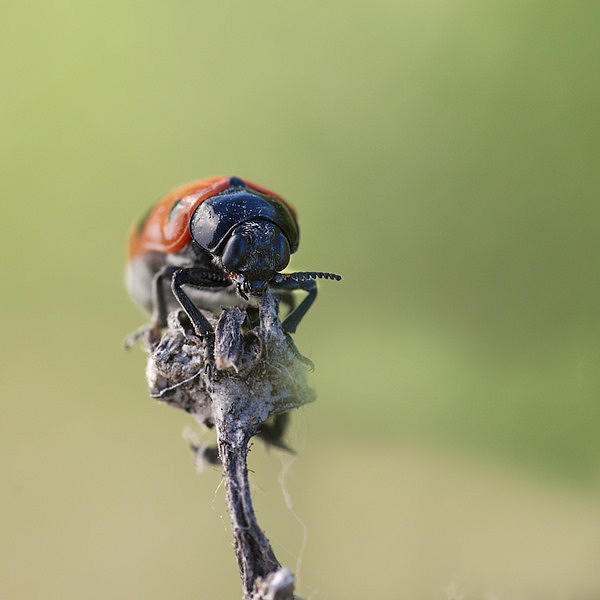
x,y
286,297
159,302
158,320
199,278
292,320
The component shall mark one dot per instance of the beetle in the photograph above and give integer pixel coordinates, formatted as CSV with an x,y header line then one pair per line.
x,y
227,240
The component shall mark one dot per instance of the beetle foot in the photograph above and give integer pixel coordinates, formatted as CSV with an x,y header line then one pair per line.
x,y
303,359
273,429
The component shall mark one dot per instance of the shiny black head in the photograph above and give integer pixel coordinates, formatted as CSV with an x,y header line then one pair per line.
x,y
250,235
255,252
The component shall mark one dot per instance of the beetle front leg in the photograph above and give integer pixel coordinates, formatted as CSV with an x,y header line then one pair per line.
x,y
199,278
292,320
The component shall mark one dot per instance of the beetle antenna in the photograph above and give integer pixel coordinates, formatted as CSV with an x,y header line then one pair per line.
x,y
304,275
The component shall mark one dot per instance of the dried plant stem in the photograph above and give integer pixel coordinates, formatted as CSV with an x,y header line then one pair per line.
x,y
237,381
253,551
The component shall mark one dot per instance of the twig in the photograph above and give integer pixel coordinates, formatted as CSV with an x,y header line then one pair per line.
x,y
242,381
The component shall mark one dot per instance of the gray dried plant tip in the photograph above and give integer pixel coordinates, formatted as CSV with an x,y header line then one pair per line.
x,y
242,380
255,373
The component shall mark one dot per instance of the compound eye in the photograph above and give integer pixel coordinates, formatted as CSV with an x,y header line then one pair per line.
x,y
282,248
235,253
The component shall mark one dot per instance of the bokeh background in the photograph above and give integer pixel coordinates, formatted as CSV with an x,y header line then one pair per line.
x,y
444,157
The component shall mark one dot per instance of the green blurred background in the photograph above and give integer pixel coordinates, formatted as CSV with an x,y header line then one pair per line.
x,y
444,157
